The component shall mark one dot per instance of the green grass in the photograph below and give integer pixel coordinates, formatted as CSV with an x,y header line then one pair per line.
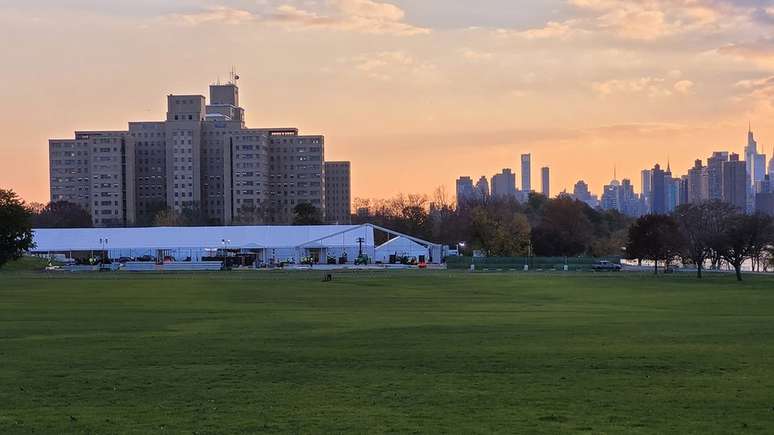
x,y
385,352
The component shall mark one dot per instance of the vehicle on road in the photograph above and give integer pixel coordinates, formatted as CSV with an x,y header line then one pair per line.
x,y
606,266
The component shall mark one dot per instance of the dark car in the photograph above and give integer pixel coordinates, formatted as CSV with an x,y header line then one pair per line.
x,y
606,266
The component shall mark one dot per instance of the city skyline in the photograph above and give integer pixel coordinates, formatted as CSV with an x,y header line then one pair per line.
x,y
740,179
568,81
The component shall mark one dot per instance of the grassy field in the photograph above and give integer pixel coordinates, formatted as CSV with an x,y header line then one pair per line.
x,y
375,352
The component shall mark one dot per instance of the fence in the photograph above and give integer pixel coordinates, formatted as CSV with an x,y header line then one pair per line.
x,y
534,263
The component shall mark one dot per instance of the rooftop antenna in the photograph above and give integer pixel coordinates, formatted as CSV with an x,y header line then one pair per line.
x,y
234,76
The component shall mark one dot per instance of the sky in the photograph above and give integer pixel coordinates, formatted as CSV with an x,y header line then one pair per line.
x,y
414,92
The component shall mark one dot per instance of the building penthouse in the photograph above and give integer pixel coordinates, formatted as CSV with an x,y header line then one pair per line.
x,y
201,158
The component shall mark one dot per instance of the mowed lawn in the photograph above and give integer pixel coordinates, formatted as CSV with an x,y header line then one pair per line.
x,y
377,352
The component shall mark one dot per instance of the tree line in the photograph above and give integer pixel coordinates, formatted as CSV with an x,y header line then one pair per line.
x,y
708,234
556,227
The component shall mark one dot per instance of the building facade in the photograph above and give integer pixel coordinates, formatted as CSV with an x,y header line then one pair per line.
x,y
338,198
526,173
504,184
735,182
545,177
201,159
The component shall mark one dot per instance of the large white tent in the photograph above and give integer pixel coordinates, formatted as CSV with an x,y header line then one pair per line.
x,y
270,242
400,247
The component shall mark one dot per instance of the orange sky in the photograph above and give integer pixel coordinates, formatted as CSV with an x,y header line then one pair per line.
x,y
415,92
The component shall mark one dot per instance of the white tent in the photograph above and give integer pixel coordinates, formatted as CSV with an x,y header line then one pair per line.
x,y
273,242
401,247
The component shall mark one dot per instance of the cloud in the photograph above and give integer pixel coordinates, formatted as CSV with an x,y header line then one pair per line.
x,y
390,65
649,86
684,86
360,16
760,51
476,56
552,30
217,14
644,20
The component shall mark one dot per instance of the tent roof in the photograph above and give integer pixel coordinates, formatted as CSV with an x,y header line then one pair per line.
x,y
401,242
83,239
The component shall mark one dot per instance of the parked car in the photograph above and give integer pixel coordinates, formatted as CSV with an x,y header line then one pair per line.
x,y
606,266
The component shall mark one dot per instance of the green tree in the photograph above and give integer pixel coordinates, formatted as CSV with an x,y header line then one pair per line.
x,y
500,236
306,214
15,227
62,214
654,237
701,226
742,238
564,229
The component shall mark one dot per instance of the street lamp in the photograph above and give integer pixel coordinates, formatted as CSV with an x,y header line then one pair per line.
x,y
225,252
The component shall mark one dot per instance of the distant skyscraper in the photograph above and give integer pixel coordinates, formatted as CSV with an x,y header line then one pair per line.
x,y
735,182
771,166
630,203
755,165
658,203
611,196
684,190
581,193
672,190
504,184
713,176
482,188
545,175
695,184
526,173
465,190
647,186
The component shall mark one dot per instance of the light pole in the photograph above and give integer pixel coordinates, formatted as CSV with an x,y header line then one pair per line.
x,y
225,252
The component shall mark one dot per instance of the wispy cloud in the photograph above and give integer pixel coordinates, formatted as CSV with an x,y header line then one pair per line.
x,y
361,16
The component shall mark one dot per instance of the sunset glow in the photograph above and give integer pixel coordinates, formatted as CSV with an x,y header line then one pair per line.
x,y
434,87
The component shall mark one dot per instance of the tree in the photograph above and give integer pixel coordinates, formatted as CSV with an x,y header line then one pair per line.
x,y
564,229
500,236
15,227
249,214
192,216
306,214
62,214
701,226
742,236
656,238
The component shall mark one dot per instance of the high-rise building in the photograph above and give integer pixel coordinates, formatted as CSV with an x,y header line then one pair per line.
x,y
672,190
735,182
545,176
202,158
695,193
630,202
771,166
92,171
647,186
713,176
755,166
482,188
504,184
611,196
465,190
684,190
764,199
658,194
526,173
581,193
338,197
